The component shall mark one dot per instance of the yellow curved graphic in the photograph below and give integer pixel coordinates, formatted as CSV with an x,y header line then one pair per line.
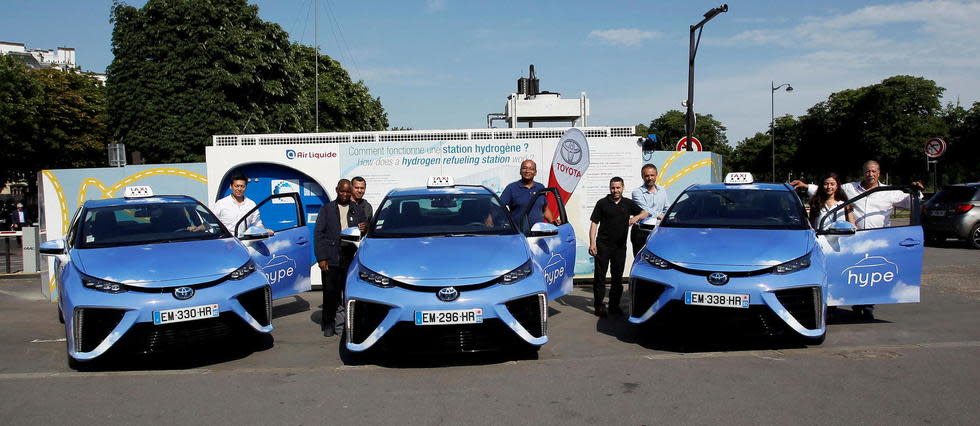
x,y
666,165
685,171
61,198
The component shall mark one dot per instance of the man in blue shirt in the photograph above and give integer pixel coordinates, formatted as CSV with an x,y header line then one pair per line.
x,y
651,198
517,197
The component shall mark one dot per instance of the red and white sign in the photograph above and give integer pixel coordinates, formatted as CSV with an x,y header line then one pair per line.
x,y
682,144
935,147
570,162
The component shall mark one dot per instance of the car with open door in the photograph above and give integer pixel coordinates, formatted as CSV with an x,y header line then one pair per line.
x,y
742,255
147,274
444,268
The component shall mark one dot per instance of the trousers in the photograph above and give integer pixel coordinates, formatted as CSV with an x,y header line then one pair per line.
x,y
612,258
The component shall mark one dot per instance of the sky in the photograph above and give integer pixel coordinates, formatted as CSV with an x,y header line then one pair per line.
x,y
446,64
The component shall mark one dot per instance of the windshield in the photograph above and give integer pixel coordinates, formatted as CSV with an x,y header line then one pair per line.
x,y
741,208
148,223
446,215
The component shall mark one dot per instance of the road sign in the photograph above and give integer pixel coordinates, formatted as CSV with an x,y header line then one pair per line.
x,y
935,147
682,144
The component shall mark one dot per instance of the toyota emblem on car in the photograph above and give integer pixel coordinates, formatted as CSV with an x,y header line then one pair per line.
x,y
717,278
183,293
447,294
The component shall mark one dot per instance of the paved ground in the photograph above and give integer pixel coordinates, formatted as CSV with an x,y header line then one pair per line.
x,y
918,363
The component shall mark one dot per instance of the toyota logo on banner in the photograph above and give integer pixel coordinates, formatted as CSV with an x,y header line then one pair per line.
x,y
571,151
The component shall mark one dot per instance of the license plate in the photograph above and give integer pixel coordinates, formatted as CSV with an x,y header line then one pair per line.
x,y
189,313
937,212
724,300
460,316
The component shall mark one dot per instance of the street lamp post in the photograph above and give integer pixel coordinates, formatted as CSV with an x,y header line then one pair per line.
x,y
772,120
689,124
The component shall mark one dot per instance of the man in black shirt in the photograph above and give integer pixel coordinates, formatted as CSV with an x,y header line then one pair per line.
x,y
607,243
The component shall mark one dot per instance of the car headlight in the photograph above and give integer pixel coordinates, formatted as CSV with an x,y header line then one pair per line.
x,y
516,275
244,271
375,278
793,265
653,259
102,285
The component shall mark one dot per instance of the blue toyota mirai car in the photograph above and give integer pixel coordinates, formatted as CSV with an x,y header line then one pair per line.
x,y
146,273
743,254
444,268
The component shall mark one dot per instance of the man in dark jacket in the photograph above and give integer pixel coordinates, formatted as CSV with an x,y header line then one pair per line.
x,y
332,257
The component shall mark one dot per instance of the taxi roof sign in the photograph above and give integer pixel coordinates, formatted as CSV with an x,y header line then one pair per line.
x,y
738,178
141,191
440,181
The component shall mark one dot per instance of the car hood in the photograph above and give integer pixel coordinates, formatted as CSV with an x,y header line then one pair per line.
x,y
161,265
415,260
729,247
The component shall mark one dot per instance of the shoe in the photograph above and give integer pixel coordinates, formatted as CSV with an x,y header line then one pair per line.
x,y
600,311
328,332
616,310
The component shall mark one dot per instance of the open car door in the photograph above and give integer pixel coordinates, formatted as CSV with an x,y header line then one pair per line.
x,y
874,266
284,258
554,254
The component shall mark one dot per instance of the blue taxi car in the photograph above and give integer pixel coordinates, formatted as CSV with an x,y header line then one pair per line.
x,y
743,254
148,273
444,268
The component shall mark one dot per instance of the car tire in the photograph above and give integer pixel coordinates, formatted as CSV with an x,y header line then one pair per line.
x,y
813,341
973,240
61,315
81,366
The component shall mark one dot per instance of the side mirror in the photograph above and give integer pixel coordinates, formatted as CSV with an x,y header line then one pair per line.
x,y
841,227
254,233
542,229
52,247
351,235
648,224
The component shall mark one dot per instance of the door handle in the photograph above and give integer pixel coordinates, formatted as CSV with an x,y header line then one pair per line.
x,y
909,242
301,241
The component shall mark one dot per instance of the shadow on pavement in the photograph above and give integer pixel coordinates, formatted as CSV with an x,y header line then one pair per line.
x,y
182,357
295,306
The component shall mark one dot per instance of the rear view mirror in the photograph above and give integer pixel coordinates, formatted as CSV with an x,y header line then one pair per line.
x,y
52,247
542,229
648,224
254,233
841,227
351,235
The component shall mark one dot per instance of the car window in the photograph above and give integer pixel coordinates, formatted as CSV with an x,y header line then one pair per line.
x,y
441,215
147,223
955,194
742,208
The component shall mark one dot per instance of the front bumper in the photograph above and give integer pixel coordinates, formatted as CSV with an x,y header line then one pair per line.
x,y
796,300
95,321
514,314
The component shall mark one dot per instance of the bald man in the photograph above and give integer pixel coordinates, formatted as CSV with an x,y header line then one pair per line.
x,y
517,197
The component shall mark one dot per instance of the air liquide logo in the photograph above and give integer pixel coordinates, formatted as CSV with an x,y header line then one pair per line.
x,y
571,151
279,267
870,271
555,271
290,154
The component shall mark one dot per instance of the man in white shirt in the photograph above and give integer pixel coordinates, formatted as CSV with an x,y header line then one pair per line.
x,y
651,198
873,211
232,208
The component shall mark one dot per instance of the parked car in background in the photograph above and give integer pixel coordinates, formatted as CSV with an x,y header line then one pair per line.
x,y
954,212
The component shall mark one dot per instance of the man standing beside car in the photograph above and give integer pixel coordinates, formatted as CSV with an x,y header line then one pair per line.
x,y
611,219
332,257
233,208
358,188
651,198
873,211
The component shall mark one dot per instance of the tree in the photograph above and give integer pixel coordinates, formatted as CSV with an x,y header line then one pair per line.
x,y
19,104
755,155
670,127
961,161
188,69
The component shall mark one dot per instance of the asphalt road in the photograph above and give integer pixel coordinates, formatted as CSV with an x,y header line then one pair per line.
x,y
916,364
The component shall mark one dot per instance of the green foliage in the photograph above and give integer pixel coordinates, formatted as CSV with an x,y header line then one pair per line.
x,y
961,162
52,119
670,127
188,69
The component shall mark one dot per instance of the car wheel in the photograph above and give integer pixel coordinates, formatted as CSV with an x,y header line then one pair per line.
x,y
61,315
81,366
974,239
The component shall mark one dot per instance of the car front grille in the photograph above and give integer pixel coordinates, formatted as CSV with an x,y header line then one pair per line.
x,y
531,312
147,338
643,294
363,318
92,325
258,304
490,335
755,320
805,304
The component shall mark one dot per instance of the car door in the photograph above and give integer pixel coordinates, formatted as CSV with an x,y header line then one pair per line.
x,y
554,254
284,257
875,266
